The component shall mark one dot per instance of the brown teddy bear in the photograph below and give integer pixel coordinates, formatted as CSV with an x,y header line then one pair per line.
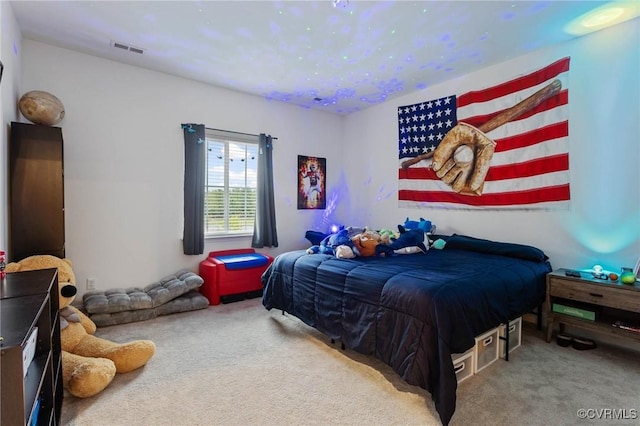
x,y
89,363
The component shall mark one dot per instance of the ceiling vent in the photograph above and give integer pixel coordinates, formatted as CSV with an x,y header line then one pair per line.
x,y
119,45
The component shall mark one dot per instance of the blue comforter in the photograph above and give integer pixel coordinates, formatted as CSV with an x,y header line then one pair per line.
x,y
411,311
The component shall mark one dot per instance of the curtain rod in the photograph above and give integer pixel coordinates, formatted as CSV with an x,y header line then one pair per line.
x,y
239,133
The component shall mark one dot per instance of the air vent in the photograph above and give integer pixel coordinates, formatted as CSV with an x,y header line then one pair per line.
x,y
123,46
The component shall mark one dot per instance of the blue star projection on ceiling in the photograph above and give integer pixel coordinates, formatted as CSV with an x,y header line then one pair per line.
x,y
337,56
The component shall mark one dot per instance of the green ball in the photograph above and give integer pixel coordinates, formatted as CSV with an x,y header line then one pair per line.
x,y
628,278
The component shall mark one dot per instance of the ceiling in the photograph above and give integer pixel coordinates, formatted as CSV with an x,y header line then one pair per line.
x,y
338,58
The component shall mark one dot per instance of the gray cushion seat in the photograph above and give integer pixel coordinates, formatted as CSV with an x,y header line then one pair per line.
x,y
172,294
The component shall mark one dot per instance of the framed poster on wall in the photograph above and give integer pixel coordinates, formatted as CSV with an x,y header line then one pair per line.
x,y
311,182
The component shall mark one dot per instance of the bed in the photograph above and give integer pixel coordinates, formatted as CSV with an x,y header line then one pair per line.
x,y
412,311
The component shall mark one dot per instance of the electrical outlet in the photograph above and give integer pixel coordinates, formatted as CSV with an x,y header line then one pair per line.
x,y
91,283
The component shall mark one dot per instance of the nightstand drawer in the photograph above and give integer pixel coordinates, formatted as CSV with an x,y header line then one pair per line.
x,y
603,295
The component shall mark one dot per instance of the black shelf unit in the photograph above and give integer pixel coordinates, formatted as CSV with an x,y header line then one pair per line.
x,y
29,300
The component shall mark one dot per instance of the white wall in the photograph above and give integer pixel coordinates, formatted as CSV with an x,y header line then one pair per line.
x,y
123,154
603,223
10,46
123,160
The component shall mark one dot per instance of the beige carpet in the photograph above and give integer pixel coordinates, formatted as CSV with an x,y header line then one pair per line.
x,y
239,364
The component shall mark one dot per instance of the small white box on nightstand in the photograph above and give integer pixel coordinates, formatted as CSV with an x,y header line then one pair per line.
x,y
515,336
29,350
486,349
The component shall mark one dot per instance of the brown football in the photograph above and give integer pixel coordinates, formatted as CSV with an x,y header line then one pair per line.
x,y
41,108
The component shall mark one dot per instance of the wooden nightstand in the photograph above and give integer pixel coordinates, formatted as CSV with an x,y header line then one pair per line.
x,y
609,301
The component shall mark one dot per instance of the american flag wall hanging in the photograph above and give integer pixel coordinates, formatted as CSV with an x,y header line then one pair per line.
x,y
502,147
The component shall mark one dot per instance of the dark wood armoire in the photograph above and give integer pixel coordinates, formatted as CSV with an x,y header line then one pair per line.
x,y
36,191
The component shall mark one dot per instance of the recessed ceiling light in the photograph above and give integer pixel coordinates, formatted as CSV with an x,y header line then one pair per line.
x,y
603,17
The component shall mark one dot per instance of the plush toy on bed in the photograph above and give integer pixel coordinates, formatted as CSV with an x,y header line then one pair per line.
x,y
409,242
366,242
344,252
439,244
352,231
315,237
332,242
427,227
89,363
387,236
422,224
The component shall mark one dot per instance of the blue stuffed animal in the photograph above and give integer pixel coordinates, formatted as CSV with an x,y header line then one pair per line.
x,y
423,224
407,238
330,243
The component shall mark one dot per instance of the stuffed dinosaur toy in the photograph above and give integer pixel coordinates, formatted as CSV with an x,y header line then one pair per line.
x,y
387,236
89,363
331,242
407,239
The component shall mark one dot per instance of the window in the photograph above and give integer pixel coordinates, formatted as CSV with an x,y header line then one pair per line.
x,y
231,183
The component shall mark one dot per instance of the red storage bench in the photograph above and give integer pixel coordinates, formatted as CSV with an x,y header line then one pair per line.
x,y
229,272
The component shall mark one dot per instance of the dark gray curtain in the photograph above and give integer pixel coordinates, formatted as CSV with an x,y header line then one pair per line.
x,y
195,149
264,229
